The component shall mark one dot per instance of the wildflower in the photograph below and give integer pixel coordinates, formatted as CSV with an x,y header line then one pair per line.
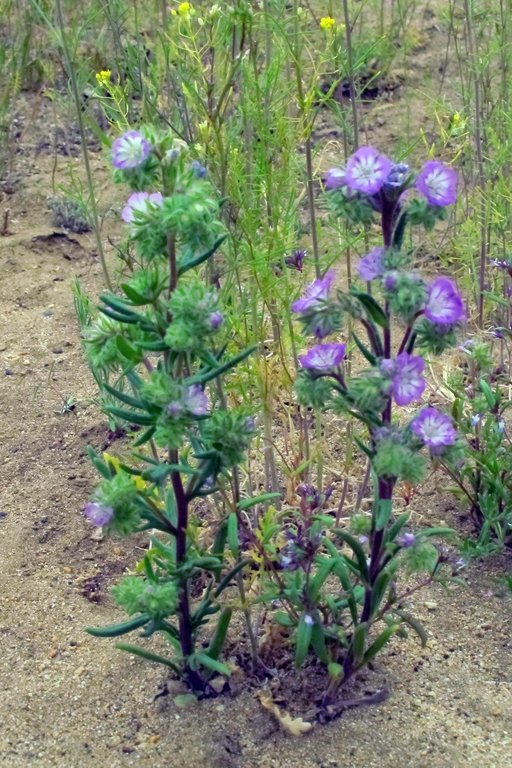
x,y
316,293
198,169
434,429
438,182
174,409
296,260
407,540
195,401
323,358
98,514
406,374
367,170
370,266
476,419
327,23
103,77
397,176
309,620
140,202
335,178
444,303
129,151
185,10
216,320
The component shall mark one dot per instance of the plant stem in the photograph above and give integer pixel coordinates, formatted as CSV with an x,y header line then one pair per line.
x,y
83,141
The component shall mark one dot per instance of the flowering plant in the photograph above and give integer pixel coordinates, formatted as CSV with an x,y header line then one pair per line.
x,y
160,338
340,622
483,472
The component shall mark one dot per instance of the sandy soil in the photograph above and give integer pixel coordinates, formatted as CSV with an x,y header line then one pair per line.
x,y
71,701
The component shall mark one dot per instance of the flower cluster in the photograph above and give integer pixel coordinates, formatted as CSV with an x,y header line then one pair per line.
x,y
369,172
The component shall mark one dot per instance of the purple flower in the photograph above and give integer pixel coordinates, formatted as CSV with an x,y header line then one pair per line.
x,y
406,373
174,409
397,176
216,319
323,358
140,202
195,400
370,266
438,182
198,169
296,260
316,293
407,540
335,178
444,303
131,150
367,170
434,429
98,514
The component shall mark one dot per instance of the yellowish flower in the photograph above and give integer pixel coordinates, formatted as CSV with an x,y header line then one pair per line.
x,y
327,23
104,76
185,10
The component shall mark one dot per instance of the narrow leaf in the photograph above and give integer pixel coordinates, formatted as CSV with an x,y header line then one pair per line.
x,y
115,630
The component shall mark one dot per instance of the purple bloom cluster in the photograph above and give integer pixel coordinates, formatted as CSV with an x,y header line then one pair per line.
x,y
130,151
315,294
140,202
444,303
438,182
434,429
323,358
406,377
98,514
368,172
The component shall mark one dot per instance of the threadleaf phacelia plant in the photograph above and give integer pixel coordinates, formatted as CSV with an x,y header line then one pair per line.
x,y
159,338
339,586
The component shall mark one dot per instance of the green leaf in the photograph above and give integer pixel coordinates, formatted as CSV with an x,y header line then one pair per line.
x,y
383,511
358,552
233,541
282,618
202,378
379,590
118,305
335,670
115,630
127,349
148,655
320,578
213,664
196,260
219,638
397,526
318,643
225,581
132,417
415,624
359,642
372,307
364,448
248,503
384,637
145,437
303,638
100,465
364,349
130,319
123,397
135,297
488,393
